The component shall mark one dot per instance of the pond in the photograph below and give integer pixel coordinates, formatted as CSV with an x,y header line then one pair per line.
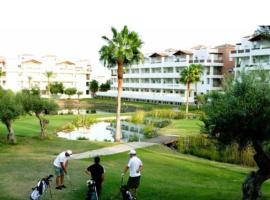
x,y
79,112
101,131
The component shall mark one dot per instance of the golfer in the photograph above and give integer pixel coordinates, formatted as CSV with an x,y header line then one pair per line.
x,y
135,167
96,171
60,166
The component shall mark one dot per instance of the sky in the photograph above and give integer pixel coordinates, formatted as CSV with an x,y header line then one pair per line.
x,y
72,29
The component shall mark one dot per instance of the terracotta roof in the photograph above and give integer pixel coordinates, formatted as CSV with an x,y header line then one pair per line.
x,y
181,52
66,62
158,55
32,61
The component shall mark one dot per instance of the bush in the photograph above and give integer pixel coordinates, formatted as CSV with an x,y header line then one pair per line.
x,y
133,138
82,138
93,111
68,127
148,130
205,147
138,117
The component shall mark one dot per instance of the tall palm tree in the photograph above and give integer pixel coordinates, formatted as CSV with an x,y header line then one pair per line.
x,y
190,75
1,74
29,81
49,75
121,51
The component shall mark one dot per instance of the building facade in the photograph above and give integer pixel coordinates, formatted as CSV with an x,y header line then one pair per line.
x,y
28,71
252,53
157,79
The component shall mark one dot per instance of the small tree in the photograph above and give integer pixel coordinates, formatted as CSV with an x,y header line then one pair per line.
x,y
10,109
190,75
70,92
49,75
93,87
57,88
241,114
104,87
40,106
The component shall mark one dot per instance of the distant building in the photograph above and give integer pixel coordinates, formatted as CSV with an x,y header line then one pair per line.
x,y
252,52
28,71
157,79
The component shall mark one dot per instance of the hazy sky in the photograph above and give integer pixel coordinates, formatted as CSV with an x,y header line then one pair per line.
x,y
73,28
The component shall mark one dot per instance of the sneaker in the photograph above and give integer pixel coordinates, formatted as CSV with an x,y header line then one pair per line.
x,y
63,186
58,188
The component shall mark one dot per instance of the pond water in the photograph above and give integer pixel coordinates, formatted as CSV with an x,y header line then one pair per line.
x,y
97,132
79,112
101,131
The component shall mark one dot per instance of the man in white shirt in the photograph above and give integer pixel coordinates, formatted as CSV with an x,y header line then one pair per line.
x,y
60,166
135,167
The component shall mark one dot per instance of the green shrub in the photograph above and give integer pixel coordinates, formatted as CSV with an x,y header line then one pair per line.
x,y
82,138
148,130
138,117
205,147
67,127
133,138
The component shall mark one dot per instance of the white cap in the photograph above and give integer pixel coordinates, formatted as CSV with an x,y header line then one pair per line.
x,y
69,152
132,152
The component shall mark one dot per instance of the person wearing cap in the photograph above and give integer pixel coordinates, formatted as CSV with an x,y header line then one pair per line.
x,y
96,171
60,167
135,167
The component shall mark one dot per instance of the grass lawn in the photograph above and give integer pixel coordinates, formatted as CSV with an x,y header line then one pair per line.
x,y
29,125
167,175
182,127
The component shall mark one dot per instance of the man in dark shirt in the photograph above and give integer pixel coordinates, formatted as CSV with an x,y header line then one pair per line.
x,y
96,171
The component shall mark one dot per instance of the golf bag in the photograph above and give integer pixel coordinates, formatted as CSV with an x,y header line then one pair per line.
x,y
41,187
124,191
92,191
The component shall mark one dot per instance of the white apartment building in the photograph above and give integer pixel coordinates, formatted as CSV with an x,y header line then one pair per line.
x,y
158,78
27,71
251,53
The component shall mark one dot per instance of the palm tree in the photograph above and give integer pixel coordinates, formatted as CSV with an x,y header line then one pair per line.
x,y
29,81
190,75
121,51
1,74
48,74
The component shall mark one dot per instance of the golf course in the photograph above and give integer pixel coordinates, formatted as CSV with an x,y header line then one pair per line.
x,y
166,175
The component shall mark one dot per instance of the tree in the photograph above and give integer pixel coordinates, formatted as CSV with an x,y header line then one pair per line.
x,y
33,103
1,75
56,88
190,75
241,114
10,109
79,93
93,87
104,87
29,82
49,75
70,92
121,51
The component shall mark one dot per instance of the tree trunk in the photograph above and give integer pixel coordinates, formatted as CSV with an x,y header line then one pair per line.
x,y
119,95
11,136
187,97
43,124
251,187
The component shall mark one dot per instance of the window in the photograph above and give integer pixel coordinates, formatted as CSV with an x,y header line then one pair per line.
x,y
87,92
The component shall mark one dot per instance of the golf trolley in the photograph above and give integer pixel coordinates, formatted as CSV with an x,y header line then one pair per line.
x,y
92,190
126,195
41,188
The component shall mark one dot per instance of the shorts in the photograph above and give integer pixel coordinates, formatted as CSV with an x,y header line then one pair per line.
x,y
133,182
58,171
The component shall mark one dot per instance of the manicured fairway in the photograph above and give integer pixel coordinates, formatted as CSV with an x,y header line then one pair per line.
x,y
167,175
182,127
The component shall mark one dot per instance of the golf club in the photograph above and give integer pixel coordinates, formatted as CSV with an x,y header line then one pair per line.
x,y
70,183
